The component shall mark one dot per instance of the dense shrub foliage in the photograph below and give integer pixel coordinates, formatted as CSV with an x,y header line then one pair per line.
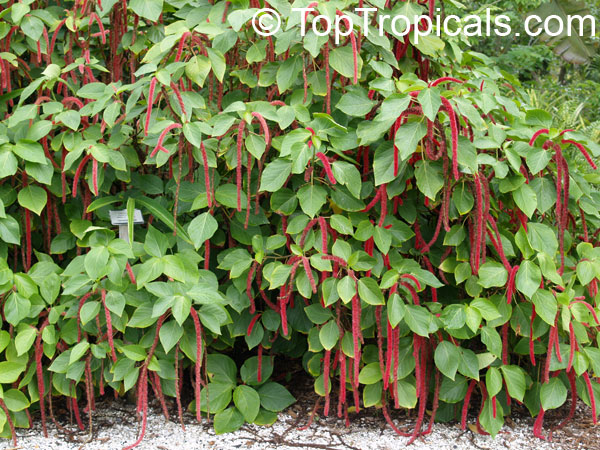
x,y
388,212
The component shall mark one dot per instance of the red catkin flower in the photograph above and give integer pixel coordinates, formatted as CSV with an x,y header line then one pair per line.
x,y
356,336
179,99
583,151
238,177
150,104
82,164
198,363
454,130
465,408
10,422
161,139
590,309
95,175
323,227
537,134
252,323
572,344
109,327
259,368
445,80
309,274
40,375
130,273
590,389
249,288
327,167
184,36
94,16
206,175
347,23
342,390
265,128
326,365
531,347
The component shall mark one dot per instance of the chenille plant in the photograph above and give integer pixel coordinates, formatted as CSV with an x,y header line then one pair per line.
x,y
388,212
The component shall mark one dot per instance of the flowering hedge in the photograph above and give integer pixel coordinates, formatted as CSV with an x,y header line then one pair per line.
x,y
389,212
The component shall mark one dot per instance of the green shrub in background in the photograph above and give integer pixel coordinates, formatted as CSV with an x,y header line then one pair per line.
x,y
389,212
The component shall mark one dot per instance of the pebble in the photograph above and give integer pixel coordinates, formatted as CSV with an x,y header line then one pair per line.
x,y
117,428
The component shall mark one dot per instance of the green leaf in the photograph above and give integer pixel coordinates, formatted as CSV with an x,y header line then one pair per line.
x,y
163,215
408,137
515,381
89,311
16,308
30,151
542,238
355,102
78,351
341,60
329,335
181,308
407,394
275,174
490,423
10,371
222,367
468,365
372,394
95,262
134,352
170,333
202,228
417,318
148,9
492,340
15,400
9,230
525,199
274,397
553,394
70,118
115,302
317,314
370,292
492,274
430,101
247,401
585,272
228,421
196,69
370,374
312,198
288,73
346,289
493,381
429,178
529,278
545,305
8,162
446,357
453,391
101,202
341,224
24,340
395,310
33,198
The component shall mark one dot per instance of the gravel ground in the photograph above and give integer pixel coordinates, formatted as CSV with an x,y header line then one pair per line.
x,y
116,426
